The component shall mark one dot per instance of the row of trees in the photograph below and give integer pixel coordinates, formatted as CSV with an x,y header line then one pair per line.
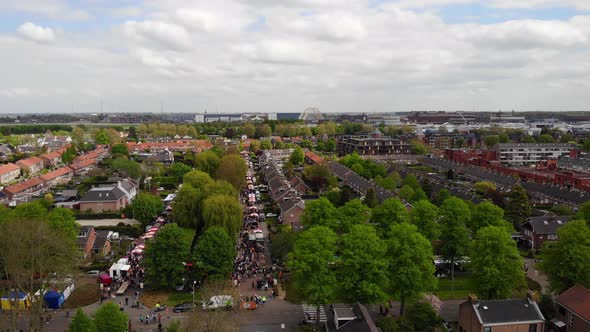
x,y
107,318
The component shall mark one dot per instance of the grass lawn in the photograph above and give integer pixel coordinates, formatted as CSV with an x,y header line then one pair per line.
x,y
181,297
187,235
462,288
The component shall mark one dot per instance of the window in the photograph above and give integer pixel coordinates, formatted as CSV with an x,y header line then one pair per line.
x,y
533,328
487,329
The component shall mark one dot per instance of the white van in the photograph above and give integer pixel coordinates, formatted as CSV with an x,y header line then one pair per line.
x,y
219,302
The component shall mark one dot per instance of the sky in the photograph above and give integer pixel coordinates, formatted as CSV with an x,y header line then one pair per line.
x,y
287,55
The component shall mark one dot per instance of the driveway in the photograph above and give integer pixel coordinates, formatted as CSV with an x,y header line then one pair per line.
x,y
107,222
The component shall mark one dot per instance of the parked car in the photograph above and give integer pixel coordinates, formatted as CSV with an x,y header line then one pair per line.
x,y
271,215
93,273
219,302
183,307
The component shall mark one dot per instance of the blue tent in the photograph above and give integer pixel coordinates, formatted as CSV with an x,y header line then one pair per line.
x,y
54,299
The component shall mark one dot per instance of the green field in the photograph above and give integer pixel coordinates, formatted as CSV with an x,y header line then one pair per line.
x,y
462,288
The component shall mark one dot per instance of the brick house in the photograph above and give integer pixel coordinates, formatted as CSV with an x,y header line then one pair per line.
x,y
51,159
59,176
82,167
85,240
102,244
573,312
8,173
291,211
32,165
104,198
538,230
22,191
511,315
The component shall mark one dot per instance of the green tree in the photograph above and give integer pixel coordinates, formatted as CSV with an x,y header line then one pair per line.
x,y
265,145
528,139
145,207
233,169
101,137
320,212
425,216
483,187
64,220
312,264
442,196
223,211
423,317
331,145
412,181
197,179
370,199
249,130
82,323
318,176
129,167
517,208
496,264
120,148
352,213
546,138
419,195
164,256
263,130
214,253
503,138
566,262
406,192
488,214
186,207
410,270
363,265
455,214
584,212
207,161
391,211
179,170
282,244
109,318
491,141
297,156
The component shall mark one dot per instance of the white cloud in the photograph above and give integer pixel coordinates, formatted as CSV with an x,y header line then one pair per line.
x,y
197,19
162,34
36,33
126,11
55,9
281,52
528,4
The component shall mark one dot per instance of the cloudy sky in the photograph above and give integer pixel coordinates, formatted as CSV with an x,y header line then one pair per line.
x,y
286,55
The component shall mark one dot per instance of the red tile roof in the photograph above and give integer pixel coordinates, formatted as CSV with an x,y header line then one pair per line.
x,y
6,168
577,300
82,164
198,145
29,161
314,157
23,186
50,155
55,174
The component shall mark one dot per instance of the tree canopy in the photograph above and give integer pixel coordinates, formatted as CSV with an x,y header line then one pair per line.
x,y
488,214
566,262
214,253
496,264
82,323
518,208
197,179
223,211
297,156
163,258
145,207
207,161
425,216
319,212
109,318
391,211
232,168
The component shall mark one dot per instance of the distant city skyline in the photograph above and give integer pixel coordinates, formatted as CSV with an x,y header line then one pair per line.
x,y
228,56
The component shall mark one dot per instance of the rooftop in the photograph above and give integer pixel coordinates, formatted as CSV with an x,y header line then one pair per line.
x,y
507,311
576,299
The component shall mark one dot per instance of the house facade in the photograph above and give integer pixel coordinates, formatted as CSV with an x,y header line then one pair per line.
x,y
573,312
32,165
8,173
85,240
538,230
59,176
111,198
22,191
51,159
511,315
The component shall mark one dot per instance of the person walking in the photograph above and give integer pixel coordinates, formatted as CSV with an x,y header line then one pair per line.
x,y
126,301
140,318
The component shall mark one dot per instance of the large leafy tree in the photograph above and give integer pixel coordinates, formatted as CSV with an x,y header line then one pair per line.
x,y
312,262
164,256
496,264
320,212
425,216
412,181
186,207
363,265
410,268
488,214
120,148
297,156
249,130
178,170
352,213
370,199
207,161
518,208
130,167
215,252
391,211
197,179
454,235
109,318
82,323
145,207
64,220
233,169
566,262
263,130
223,211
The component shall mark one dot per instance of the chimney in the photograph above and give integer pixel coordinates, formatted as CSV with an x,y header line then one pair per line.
x,y
472,299
533,296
